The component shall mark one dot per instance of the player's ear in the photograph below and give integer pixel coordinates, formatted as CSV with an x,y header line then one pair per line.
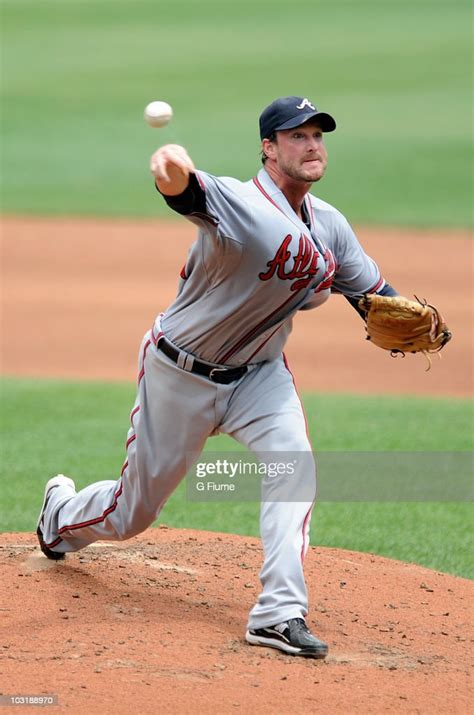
x,y
268,148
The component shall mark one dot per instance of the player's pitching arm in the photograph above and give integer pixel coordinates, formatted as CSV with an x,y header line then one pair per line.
x,y
171,166
176,180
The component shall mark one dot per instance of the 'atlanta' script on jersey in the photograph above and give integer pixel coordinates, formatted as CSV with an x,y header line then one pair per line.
x,y
304,266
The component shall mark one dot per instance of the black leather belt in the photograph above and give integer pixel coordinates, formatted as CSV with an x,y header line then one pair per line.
x,y
222,375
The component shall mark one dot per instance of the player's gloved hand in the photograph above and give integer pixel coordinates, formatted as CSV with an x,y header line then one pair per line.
x,y
171,166
404,326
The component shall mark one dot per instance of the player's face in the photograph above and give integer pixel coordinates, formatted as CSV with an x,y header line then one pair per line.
x,y
300,153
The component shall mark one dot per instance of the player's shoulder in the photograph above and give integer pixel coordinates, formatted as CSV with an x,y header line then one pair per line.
x,y
327,213
225,184
323,206
229,181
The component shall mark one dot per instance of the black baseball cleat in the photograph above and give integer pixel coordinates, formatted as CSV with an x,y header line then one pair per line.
x,y
292,637
59,481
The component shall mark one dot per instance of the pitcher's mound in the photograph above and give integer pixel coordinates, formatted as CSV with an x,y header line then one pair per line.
x,y
156,625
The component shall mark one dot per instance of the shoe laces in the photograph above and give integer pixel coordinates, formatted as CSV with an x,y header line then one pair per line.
x,y
300,624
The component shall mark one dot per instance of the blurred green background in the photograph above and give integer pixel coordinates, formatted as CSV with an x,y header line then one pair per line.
x,y
76,75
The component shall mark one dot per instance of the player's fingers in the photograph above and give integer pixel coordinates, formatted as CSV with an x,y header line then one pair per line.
x,y
182,158
180,162
158,166
171,155
190,165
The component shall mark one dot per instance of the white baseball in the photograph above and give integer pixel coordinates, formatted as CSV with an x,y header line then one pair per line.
x,y
158,114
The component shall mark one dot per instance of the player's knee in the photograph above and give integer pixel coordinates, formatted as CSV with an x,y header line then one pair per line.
x,y
135,523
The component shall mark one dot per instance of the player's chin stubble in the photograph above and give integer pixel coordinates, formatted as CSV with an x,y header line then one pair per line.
x,y
306,175
302,172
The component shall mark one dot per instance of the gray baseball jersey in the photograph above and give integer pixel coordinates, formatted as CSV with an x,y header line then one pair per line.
x,y
254,265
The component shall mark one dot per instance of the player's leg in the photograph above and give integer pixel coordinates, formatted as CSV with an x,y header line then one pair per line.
x,y
171,419
266,415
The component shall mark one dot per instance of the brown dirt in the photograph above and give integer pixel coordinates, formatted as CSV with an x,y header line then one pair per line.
x,y
156,625
78,296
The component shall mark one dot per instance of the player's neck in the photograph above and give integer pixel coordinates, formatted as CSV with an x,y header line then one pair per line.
x,y
294,191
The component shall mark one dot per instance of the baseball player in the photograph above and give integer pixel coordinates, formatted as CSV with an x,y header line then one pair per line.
x,y
213,362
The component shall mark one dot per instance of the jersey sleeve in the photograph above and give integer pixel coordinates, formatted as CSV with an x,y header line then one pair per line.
x,y
216,205
192,200
356,272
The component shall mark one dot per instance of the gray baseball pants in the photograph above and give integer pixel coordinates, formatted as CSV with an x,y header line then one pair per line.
x,y
174,413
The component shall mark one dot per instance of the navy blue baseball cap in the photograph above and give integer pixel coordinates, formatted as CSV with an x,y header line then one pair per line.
x,y
290,112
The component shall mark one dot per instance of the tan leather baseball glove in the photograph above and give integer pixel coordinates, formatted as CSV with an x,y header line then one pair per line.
x,y
404,326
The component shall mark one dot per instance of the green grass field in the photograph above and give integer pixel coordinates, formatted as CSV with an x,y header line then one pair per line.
x,y
79,429
76,76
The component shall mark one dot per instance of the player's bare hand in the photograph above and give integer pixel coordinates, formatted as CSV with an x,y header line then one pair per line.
x,y
171,166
